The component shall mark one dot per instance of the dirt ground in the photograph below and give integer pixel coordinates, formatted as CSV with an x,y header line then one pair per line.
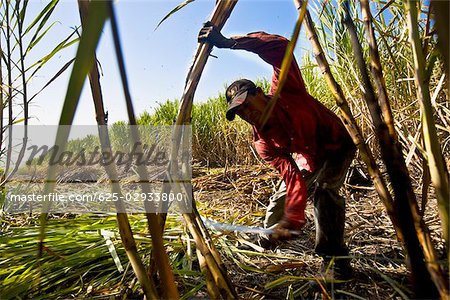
x,y
292,270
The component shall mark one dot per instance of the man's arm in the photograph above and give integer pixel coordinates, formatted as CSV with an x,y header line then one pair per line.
x,y
271,48
296,190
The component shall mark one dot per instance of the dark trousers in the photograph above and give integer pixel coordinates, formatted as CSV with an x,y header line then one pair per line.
x,y
329,206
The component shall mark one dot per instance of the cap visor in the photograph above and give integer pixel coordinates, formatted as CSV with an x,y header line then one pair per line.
x,y
234,104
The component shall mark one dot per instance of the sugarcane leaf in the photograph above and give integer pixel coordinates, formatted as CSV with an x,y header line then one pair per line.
x,y
289,278
37,40
324,4
395,285
61,71
64,44
177,8
41,26
44,13
350,294
23,11
18,121
83,62
431,63
193,291
280,281
16,12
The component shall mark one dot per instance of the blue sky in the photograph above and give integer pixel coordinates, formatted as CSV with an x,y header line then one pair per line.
x,y
157,61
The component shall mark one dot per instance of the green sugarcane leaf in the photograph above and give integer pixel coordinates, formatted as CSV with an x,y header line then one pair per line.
x,y
83,63
23,11
19,121
64,44
37,40
350,294
61,71
279,281
395,285
16,13
193,291
41,25
180,6
43,13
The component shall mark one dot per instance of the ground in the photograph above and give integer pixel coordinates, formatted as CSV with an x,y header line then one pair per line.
x,y
239,196
76,251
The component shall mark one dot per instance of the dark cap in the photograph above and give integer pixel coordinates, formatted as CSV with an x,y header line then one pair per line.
x,y
236,94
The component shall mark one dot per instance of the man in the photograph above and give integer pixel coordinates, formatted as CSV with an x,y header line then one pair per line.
x,y
303,140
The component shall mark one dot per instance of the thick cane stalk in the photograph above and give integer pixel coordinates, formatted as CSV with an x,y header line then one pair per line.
x,y
213,290
208,253
417,239
438,172
350,123
377,71
210,256
125,231
220,14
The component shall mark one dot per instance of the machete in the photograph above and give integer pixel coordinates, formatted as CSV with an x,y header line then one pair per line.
x,y
241,228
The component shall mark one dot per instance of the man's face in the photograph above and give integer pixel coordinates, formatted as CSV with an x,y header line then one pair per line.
x,y
253,107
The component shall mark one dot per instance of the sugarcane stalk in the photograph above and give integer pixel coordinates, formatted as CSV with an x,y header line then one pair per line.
x,y
162,260
207,250
350,123
2,107
10,86
426,32
125,231
162,217
441,11
217,272
221,13
377,70
438,171
426,180
22,71
213,290
208,240
416,234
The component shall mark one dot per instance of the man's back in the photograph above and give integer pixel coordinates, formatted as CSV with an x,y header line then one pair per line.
x,y
313,130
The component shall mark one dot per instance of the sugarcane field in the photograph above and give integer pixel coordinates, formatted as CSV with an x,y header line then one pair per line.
x,y
228,149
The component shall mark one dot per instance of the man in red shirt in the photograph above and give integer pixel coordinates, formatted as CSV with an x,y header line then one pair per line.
x,y
303,140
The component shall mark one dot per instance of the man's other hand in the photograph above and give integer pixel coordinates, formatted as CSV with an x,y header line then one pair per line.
x,y
210,34
284,230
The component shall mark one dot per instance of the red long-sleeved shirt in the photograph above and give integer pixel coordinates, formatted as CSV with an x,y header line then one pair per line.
x,y
304,126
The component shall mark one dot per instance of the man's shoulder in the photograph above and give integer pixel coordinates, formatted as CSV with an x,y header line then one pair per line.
x,y
263,33
257,32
